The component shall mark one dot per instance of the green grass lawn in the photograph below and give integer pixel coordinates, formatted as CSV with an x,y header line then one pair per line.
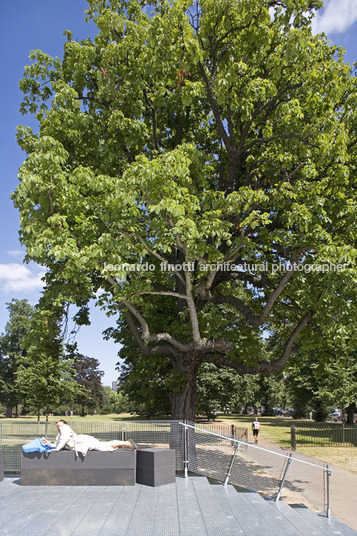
x,y
277,430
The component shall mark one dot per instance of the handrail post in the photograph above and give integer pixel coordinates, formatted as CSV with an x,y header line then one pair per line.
x,y
288,463
229,470
185,449
327,476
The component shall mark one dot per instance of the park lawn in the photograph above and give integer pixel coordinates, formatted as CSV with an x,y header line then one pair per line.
x,y
344,457
277,430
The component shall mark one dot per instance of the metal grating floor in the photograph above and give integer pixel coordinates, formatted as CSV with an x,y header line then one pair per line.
x,y
189,507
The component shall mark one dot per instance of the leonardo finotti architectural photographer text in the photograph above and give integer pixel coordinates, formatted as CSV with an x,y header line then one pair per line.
x,y
226,267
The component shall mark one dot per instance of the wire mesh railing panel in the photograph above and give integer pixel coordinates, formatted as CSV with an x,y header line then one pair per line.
x,y
307,480
14,435
208,454
145,433
266,471
160,434
257,470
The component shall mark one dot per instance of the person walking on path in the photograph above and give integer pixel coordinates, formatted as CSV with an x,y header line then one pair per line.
x,y
255,428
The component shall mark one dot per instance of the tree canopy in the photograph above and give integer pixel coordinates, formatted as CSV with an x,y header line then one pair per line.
x,y
196,166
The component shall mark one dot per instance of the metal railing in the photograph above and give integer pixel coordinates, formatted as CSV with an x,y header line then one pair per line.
x,y
254,468
15,433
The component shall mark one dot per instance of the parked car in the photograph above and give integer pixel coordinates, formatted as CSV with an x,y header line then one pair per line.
x,y
335,413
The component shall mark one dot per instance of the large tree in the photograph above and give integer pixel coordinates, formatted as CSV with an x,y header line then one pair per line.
x,y
211,146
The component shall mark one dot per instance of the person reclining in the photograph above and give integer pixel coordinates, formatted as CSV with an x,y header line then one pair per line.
x,y
67,439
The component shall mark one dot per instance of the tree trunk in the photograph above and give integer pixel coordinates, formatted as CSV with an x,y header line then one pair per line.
x,y
183,403
351,413
9,412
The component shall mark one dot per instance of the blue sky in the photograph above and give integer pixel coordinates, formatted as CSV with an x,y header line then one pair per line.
x,y
39,24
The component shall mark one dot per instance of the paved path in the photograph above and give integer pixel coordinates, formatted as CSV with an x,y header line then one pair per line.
x,y
343,487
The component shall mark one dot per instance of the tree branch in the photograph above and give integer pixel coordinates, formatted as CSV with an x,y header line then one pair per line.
x,y
252,319
266,367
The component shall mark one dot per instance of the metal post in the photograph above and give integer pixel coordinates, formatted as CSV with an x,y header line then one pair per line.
x,y
185,450
233,433
288,463
229,470
328,474
293,437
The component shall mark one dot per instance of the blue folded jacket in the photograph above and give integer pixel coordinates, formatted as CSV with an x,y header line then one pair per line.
x,y
36,446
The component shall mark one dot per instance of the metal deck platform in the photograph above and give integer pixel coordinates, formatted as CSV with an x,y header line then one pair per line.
x,y
188,507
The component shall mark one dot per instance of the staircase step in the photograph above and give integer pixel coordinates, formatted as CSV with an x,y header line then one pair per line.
x,y
326,525
255,507
247,515
303,525
189,510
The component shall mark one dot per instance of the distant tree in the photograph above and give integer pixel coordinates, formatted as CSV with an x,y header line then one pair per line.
x,y
12,352
45,375
319,380
119,402
87,375
148,386
221,387
271,392
340,381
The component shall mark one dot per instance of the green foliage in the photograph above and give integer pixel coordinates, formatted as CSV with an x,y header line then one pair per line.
x,y
220,388
86,373
45,376
115,402
12,351
213,132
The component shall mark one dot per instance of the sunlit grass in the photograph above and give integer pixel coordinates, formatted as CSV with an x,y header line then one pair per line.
x,y
277,430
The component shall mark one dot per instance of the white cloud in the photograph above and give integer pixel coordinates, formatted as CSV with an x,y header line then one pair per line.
x,y
14,252
17,277
336,17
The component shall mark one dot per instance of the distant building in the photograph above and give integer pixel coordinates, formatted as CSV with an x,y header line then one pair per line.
x,y
115,385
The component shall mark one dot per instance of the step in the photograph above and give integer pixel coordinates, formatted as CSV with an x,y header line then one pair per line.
x,y
246,513
274,517
301,524
326,525
189,511
217,513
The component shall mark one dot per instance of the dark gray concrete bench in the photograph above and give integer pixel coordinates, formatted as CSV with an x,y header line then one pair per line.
x,y
64,468
155,466
1,465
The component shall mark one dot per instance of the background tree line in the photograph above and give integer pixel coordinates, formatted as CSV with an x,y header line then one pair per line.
x,y
40,373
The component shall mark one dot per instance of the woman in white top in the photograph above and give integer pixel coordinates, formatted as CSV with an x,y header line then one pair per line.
x,y
67,439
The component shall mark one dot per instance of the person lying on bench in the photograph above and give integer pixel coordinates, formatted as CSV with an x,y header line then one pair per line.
x,y
67,439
